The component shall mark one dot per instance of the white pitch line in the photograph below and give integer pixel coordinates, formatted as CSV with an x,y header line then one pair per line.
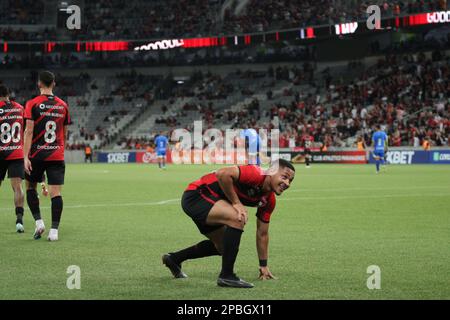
x,y
104,205
370,189
365,197
171,201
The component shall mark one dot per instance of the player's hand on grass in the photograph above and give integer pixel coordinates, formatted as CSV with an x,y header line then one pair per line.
x,y
27,165
265,274
241,211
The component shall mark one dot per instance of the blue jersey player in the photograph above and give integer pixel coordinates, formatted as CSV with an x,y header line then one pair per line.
x,y
253,145
379,142
161,143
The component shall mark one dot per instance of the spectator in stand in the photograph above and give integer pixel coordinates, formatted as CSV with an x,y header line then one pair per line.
x,y
426,145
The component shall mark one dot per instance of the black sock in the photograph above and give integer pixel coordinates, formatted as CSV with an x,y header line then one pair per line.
x,y
33,204
307,161
19,215
202,249
57,207
231,241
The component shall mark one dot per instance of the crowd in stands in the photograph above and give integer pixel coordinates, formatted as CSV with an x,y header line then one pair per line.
x,y
409,94
22,12
68,86
264,15
139,19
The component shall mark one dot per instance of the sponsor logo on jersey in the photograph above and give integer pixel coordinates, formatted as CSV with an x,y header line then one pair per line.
x,y
43,106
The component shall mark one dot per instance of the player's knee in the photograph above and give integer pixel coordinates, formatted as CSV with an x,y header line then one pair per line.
x,y
19,194
17,186
235,223
55,191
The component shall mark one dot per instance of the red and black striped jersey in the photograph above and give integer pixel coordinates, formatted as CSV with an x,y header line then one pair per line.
x,y
50,115
11,130
248,188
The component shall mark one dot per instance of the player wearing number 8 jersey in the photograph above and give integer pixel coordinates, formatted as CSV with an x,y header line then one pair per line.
x,y
47,118
11,150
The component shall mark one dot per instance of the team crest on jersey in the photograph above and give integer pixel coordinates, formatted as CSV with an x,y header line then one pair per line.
x,y
253,192
263,202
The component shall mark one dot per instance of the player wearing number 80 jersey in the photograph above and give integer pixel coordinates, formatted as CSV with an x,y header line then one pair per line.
x,y
47,118
11,150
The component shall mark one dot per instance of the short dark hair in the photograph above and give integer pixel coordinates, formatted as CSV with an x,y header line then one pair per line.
x,y
4,91
285,164
377,126
47,78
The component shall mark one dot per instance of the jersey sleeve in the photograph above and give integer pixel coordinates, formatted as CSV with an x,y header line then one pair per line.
x,y
28,115
67,119
265,212
250,175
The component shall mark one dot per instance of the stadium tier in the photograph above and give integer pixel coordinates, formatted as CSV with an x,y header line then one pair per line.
x,y
334,104
156,144
139,19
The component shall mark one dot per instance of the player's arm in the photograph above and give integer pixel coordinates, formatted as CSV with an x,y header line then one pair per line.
x,y
27,139
67,122
226,178
65,136
262,246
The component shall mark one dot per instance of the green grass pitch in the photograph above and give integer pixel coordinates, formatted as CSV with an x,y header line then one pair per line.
x,y
334,222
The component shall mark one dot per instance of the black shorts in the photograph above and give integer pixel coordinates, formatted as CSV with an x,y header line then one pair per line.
x,y
55,172
197,204
15,169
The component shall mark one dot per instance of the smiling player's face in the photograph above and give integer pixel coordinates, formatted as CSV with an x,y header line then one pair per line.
x,y
282,180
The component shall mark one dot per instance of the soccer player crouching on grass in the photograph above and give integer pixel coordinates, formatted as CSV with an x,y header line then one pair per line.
x,y
216,203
